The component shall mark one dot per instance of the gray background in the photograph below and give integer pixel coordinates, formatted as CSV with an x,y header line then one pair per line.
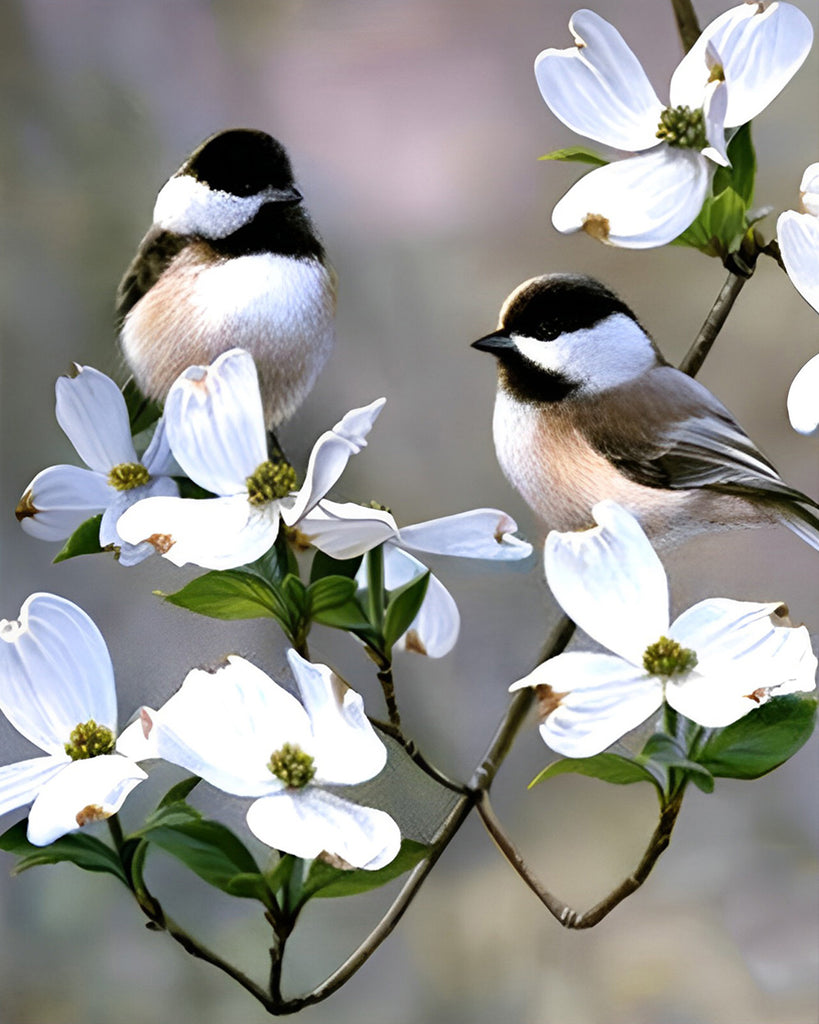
x,y
415,128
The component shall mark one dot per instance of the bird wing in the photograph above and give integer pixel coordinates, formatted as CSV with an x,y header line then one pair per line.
x,y
667,430
156,250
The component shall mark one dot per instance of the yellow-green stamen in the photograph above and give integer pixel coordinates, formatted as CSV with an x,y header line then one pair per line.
x,y
89,740
128,475
271,480
668,658
292,766
682,127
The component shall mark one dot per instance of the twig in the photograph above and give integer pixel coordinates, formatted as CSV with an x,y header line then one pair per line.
x,y
412,751
561,911
695,356
687,24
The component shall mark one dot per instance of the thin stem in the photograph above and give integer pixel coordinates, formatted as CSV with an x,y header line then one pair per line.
x,y
717,316
687,24
388,689
563,913
375,588
412,751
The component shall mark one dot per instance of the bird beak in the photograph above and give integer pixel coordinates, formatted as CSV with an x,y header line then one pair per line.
x,y
285,196
496,342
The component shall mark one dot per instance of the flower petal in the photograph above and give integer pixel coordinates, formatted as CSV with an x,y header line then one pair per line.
x,y
590,700
434,630
714,107
760,48
347,749
330,455
60,498
798,236
346,530
309,822
610,581
482,533
216,533
158,458
130,554
94,417
55,672
21,782
83,792
809,190
215,423
641,202
224,725
598,87
803,398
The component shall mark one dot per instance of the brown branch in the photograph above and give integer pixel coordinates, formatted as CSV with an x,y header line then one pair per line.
x,y
695,356
561,911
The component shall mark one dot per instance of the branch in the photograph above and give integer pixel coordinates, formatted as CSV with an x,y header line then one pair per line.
x,y
687,24
695,356
561,911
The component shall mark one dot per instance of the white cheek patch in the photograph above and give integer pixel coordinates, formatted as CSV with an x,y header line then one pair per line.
x,y
613,352
188,207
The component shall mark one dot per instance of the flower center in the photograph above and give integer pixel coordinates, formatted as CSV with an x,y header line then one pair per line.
x,y
128,475
89,740
682,127
292,766
378,507
668,658
272,479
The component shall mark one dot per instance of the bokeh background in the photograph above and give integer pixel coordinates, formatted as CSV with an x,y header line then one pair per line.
x,y
414,127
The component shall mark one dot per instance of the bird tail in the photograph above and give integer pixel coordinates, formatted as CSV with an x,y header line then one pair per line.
x,y
803,521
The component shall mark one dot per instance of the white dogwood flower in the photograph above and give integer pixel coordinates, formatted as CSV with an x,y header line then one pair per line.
x,y
94,417
57,690
245,734
216,430
598,88
346,530
798,236
718,661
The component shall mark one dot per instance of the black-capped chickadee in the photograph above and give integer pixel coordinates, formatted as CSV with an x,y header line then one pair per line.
x,y
232,260
587,408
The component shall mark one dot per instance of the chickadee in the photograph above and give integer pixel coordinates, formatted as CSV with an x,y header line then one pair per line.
x,y
231,261
587,408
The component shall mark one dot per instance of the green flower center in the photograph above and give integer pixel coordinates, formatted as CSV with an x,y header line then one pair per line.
x,y
378,507
89,740
292,766
128,475
682,127
272,479
668,658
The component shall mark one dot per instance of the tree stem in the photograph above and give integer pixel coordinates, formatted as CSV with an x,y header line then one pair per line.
x,y
687,24
695,356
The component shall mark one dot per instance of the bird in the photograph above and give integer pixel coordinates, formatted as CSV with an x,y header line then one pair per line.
x,y
231,260
587,409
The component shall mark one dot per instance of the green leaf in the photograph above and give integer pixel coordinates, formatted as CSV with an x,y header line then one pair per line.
x,y
276,562
329,592
208,848
142,411
609,767
294,594
740,175
230,594
720,225
762,740
325,881
662,753
576,154
85,851
323,565
403,604
85,540
179,792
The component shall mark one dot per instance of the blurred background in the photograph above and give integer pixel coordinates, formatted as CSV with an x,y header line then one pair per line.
x,y
414,127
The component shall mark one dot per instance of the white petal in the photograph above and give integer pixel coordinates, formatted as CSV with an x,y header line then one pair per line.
x,y
760,50
64,497
21,782
215,424
598,87
482,533
591,701
610,581
347,749
83,792
798,236
809,190
309,822
434,630
330,455
130,554
55,672
93,414
714,107
157,457
641,202
346,530
216,533
803,398
224,725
